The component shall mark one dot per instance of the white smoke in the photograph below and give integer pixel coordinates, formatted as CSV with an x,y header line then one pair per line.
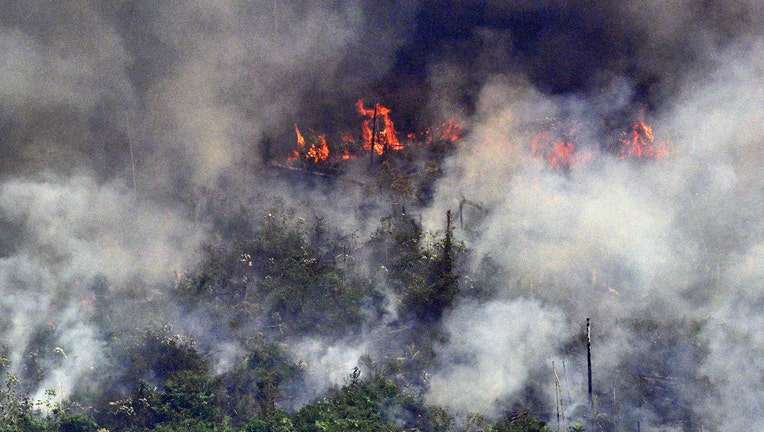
x,y
493,352
621,241
68,232
327,365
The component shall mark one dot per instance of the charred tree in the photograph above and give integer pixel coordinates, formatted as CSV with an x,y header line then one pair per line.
x,y
373,135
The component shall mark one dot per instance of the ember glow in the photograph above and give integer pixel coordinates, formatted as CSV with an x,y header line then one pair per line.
x,y
558,150
449,130
161,130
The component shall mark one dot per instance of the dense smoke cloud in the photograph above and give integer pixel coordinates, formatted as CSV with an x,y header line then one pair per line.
x,y
125,125
626,242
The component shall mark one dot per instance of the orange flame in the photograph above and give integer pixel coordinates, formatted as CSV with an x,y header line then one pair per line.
x,y
450,130
300,144
640,142
378,128
317,152
300,139
447,131
560,153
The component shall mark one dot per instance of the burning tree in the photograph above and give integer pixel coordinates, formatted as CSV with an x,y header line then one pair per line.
x,y
377,129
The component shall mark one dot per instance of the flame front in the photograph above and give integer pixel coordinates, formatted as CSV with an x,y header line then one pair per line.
x,y
450,131
319,151
377,129
300,144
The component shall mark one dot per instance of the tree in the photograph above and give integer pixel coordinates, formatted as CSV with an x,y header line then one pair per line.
x,y
17,411
356,407
522,422
440,288
256,385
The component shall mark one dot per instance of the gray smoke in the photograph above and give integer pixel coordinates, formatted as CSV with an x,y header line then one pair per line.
x,y
118,120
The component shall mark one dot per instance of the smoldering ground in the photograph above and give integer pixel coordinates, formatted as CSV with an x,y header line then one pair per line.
x,y
123,125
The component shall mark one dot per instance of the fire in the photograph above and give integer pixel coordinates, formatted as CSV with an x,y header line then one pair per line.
x,y
378,128
318,151
300,139
300,144
450,131
640,142
560,153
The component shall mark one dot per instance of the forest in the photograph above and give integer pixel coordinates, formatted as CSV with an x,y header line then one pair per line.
x,y
276,277
411,215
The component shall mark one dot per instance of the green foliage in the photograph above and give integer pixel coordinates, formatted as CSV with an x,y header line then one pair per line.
x,y
171,385
139,411
355,407
277,421
19,413
423,274
280,274
184,401
160,354
306,292
16,411
520,423
189,395
77,423
279,281
254,387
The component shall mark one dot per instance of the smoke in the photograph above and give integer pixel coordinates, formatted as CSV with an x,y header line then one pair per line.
x,y
129,130
493,358
326,365
674,242
67,235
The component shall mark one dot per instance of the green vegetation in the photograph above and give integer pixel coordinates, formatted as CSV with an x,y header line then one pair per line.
x,y
190,400
280,278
